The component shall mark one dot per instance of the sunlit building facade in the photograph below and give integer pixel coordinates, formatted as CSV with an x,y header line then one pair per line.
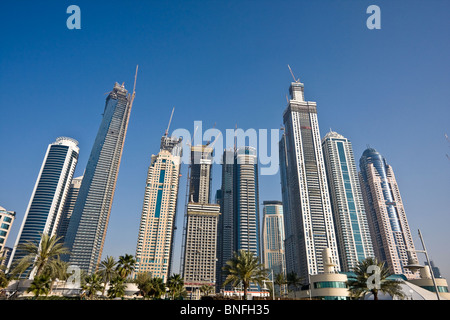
x,y
389,228
88,223
47,200
350,221
309,222
154,248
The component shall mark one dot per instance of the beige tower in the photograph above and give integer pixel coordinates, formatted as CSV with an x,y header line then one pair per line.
x,y
156,231
389,228
200,239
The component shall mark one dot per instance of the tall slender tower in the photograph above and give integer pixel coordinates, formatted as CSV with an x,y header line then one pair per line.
x,y
154,248
200,242
247,201
350,221
386,215
226,200
47,200
89,221
69,204
273,237
308,217
239,222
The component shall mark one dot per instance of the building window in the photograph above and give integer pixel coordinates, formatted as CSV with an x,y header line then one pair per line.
x,y
329,284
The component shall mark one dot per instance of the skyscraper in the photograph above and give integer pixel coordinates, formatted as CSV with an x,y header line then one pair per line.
x,y
309,223
273,237
247,201
154,248
69,204
200,239
239,221
386,215
89,221
225,232
47,200
6,220
350,221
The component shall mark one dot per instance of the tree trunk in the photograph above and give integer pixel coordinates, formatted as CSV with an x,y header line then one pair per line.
x,y
245,290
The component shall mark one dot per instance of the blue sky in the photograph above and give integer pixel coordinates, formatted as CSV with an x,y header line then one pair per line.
x,y
225,63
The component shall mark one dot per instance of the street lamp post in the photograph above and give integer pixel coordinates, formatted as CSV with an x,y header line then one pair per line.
x,y
414,265
265,287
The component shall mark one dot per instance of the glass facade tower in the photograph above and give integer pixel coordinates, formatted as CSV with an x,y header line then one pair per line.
x,y
68,207
47,200
87,227
226,200
352,230
239,206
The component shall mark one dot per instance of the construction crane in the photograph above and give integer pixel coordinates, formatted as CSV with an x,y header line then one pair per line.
x,y
170,120
446,137
134,86
295,80
210,145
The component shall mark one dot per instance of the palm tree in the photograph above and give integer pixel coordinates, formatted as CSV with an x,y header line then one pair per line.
x,y
280,280
293,280
157,288
56,269
125,265
3,279
40,285
92,285
107,270
175,284
206,289
143,282
117,288
40,254
244,268
363,283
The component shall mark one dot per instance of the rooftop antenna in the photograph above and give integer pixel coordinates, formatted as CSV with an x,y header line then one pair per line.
x,y
170,120
295,80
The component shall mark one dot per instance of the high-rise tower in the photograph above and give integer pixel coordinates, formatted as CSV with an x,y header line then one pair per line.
x,y
89,221
308,217
200,241
350,221
239,222
247,201
69,204
386,215
226,200
49,194
154,248
273,237
6,220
